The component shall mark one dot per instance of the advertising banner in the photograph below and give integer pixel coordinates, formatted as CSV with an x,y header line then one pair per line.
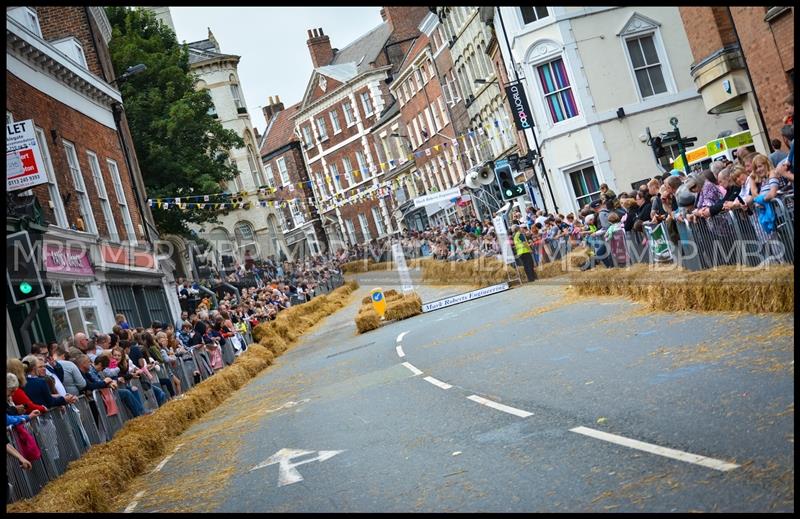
x,y
523,118
462,298
659,243
434,198
502,240
402,268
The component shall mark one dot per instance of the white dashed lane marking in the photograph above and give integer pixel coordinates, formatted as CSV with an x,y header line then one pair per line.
x,y
655,449
400,337
414,370
500,407
131,507
438,383
400,352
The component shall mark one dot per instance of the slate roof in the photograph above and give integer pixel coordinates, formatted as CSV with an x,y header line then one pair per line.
x,y
280,130
204,50
368,46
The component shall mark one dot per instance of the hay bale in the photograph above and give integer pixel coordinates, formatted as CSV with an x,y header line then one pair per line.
x,y
666,288
106,469
367,319
407,306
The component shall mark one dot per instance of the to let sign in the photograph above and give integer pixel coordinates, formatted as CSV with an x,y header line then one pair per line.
x,y
24,168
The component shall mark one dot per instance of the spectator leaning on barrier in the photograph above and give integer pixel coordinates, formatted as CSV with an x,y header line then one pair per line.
x,y
95,381
18,396
36,386
73,378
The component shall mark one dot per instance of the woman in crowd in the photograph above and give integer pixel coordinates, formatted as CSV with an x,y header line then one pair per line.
x,y
18,396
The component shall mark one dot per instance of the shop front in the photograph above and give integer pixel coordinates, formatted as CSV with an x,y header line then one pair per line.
x,y
135,285
74,301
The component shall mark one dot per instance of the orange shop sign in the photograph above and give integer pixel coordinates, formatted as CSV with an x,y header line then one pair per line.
x,y
127,257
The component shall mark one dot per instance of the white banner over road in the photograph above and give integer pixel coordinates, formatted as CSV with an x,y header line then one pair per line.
x,y
462,298
433,198
402,268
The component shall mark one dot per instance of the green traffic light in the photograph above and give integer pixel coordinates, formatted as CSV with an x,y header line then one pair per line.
x,y
25,287
509,192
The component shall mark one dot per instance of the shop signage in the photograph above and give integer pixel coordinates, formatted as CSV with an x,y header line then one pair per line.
x,y
59,258
126,257
24,166
519,106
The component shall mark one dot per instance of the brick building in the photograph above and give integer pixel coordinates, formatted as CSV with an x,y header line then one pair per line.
x,y
425,115
743,60
282,156
344,98
91,229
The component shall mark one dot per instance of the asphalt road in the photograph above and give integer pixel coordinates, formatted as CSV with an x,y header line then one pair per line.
x,y
339,423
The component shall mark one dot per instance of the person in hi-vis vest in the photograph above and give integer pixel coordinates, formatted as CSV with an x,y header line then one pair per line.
x,y
522,249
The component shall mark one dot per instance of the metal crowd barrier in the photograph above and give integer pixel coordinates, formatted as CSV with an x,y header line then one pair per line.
x,y
111,422
149,401
228,355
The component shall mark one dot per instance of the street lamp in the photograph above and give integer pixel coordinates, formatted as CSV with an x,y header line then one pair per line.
x,y
131,71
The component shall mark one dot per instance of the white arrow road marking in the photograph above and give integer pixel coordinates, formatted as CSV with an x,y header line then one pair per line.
x,y
287,473
413,369
500,407
655,449
438,383
400,337
287,405
400,352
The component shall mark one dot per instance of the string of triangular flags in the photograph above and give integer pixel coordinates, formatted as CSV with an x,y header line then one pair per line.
x,y
236,200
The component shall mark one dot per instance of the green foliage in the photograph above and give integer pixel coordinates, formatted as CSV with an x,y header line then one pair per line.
x,y
180,147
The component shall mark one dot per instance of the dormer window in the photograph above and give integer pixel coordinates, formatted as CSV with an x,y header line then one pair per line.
x,y
28,18
73,49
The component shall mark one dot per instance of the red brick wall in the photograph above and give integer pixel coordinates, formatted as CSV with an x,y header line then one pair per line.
x,y
62,22
707,28
764,59
25,102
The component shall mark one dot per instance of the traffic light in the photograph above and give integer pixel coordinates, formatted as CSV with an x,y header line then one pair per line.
x,y
658,148
22,270
505,178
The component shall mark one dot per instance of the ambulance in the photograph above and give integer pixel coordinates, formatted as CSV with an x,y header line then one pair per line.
x,y
700,158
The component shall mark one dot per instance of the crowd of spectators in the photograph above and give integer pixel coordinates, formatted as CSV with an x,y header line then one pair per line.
x,y
57,374
746,184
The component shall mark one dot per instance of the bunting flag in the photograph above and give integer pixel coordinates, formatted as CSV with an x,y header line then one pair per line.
x,y
338,197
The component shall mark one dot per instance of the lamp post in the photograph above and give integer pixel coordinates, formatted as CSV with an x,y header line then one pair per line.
x,y
533,131
118,111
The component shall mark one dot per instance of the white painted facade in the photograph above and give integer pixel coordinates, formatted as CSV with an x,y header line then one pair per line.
x,y
220,77
592,42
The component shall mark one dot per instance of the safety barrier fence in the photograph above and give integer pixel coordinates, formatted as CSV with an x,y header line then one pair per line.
x,y
729,238
65,433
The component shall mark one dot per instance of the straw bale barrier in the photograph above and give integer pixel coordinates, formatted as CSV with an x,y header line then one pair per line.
x,y
359,266
727,289
397,308
488,271
105,470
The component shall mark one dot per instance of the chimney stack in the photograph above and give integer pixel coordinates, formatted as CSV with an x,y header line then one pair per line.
x,y
319,45
405,20
274,106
